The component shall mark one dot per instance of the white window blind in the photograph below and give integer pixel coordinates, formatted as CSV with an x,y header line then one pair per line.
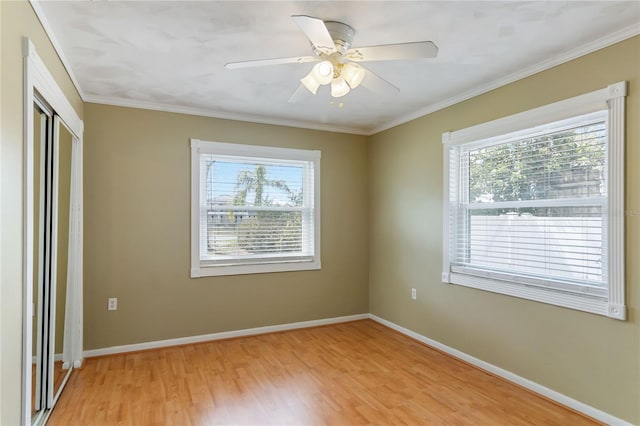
x,y
531,207
534,204
256,207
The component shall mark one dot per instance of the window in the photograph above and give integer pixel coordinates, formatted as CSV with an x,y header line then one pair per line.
x,y
253,209
534,204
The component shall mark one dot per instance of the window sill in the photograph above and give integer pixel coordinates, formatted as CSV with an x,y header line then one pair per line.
x,y
585,303
262,268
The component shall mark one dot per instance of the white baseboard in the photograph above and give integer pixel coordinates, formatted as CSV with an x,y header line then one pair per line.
x,y
56,357
526,383
219,336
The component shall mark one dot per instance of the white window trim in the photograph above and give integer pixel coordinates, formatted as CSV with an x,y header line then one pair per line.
x,y
198,267
610,98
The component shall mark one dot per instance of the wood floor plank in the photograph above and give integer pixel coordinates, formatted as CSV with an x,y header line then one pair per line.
x,y
351,373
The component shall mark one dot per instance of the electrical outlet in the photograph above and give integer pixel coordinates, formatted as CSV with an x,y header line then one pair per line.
x,y
413,294
112,305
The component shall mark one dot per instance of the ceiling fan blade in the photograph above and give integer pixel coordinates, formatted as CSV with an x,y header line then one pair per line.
x,y
393,52
317,32
266,62
300,95
377,84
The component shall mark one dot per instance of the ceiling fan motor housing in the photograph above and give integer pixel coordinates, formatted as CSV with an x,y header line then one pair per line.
x,y
337,63
342,35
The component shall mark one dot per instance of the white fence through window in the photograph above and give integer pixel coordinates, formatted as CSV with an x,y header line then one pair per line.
x,y
564,247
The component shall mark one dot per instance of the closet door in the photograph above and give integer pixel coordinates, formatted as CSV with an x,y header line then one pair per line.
x,y
53,147
62,154
43,148
52,243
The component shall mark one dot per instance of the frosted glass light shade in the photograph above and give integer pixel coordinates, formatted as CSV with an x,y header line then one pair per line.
x,y
339,87
353,74
323,72
310,83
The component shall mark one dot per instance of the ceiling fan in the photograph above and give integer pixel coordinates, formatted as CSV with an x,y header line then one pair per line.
x,y
337,62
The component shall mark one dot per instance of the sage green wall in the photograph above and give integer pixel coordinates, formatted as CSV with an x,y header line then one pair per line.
x,y
137,234
137,231
17,20
591,358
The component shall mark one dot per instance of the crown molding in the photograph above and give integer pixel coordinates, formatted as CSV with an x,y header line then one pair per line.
x,y
203,112
35,4
618,36
613,38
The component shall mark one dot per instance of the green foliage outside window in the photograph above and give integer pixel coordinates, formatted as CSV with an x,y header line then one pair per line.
x,y
567,164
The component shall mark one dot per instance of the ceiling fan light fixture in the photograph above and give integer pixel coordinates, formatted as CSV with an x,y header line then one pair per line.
x,y
339,87
323,72
353,74
333,56
310,82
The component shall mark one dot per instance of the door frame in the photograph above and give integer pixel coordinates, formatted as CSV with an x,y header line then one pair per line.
x,y
38,79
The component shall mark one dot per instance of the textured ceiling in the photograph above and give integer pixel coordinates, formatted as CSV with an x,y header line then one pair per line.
x,y
170,55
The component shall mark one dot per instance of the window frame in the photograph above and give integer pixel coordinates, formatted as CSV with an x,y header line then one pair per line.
x,y
205,268
611,99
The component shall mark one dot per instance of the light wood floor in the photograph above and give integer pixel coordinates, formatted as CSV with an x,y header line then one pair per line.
x,y
352,373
